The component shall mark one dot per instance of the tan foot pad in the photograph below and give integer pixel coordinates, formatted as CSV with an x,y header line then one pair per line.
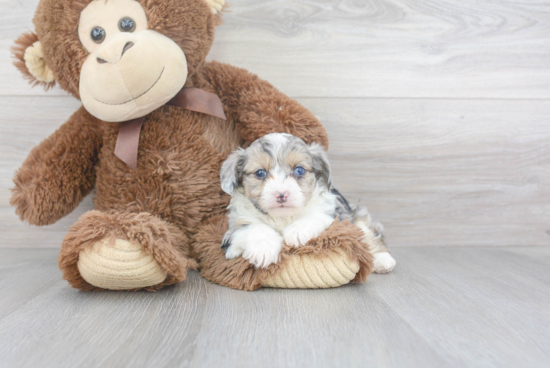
x,y
119,266
308,271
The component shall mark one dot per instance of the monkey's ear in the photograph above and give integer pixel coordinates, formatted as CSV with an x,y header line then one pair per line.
x,y
29,59
216,5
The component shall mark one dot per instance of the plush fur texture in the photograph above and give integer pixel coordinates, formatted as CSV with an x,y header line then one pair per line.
x,y
239,274
168,245
173,201
59,172
271,112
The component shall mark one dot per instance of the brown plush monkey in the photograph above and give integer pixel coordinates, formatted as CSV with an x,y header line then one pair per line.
x,y
128,61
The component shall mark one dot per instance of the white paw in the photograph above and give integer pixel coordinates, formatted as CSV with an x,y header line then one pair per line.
x,y
233,252
383,262
299,234
263,252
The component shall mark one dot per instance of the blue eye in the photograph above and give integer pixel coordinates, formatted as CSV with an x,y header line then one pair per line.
x,y
260,174
299,171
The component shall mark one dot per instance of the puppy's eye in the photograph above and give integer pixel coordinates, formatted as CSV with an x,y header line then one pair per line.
x,y
127,24
299,171
98,34
260,174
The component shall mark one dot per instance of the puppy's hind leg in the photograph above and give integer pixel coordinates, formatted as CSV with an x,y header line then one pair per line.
x,y
374,236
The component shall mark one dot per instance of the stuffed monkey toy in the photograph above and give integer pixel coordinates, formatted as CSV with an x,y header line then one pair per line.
x,y
156,123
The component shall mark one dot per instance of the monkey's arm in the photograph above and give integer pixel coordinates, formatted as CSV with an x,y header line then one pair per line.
x,y
59,172
258,108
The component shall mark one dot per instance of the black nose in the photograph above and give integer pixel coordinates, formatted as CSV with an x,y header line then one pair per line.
x,y
101,61
127,47
282,197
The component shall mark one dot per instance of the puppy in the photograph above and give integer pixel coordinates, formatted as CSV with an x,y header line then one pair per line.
x,y
282,192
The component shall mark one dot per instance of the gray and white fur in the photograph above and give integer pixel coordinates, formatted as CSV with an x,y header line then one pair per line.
x,y
282,192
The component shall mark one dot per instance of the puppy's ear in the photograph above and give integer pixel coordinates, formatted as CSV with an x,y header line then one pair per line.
x,y
231,171
321,166
29,59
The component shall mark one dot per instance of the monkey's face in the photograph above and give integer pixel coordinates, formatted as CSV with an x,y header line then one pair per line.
x,y
130,70
121,58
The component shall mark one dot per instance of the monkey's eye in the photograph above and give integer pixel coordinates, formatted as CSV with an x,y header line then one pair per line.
x,y
299,171
127,24
98,34
260,174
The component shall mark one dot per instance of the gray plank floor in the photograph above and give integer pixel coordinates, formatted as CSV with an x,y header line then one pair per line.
x,y
441,307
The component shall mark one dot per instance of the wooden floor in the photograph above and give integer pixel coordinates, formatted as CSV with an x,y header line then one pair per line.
x,y
441,307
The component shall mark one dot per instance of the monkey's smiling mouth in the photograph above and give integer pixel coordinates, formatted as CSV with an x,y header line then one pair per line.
x,y
135,98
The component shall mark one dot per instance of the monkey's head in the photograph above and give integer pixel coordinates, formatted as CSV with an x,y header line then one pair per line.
x,y
121,58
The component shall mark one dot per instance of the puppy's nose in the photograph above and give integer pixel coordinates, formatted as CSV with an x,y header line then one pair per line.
x,y
281,197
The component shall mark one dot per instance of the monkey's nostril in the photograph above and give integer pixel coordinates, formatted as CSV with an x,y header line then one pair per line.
x,y
127,47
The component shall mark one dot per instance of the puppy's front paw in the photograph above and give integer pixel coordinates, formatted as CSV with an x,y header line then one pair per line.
x,y
263,252
233,252
299,234
383,262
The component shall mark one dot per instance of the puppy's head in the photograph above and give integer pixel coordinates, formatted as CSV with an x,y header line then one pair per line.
x,y
278,173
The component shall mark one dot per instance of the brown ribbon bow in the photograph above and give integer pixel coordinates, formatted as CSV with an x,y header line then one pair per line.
x,y
192,99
